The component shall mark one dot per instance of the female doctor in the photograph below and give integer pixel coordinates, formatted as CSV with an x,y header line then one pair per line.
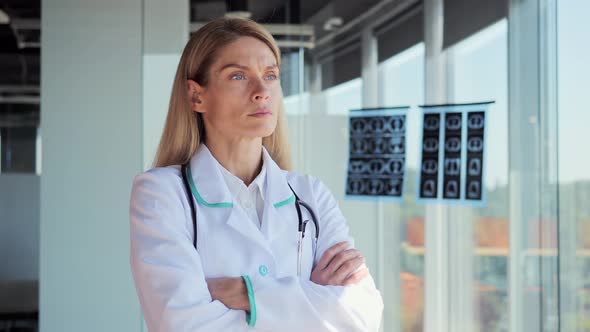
x,y
244,266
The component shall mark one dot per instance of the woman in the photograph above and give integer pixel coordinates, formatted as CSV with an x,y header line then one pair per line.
x,y
240,268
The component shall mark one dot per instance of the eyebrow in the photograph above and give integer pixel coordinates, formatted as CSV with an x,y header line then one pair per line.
x,y
230,65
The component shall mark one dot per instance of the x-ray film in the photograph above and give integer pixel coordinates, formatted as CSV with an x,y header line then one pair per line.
x,y
453,125
475,152
452,160
377,153
428,182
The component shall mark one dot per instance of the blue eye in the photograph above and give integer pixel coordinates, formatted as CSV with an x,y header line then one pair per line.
x,y
271,77
237,77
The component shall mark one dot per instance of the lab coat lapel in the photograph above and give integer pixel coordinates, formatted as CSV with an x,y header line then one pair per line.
x,y
216,203
211,190
279,212
214,199
241,223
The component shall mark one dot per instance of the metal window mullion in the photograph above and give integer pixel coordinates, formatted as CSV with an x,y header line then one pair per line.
x,y
548,152
521,134
532,163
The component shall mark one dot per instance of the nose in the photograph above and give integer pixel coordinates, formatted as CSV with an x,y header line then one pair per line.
x,y
261,93
261,97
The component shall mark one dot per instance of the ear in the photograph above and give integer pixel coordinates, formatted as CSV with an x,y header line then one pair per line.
x,y
195,96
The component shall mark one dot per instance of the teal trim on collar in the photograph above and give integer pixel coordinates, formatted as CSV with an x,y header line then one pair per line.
x,y
285,202
198,196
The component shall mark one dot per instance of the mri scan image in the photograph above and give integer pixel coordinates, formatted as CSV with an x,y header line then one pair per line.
x,y
452,153
430,150
377,154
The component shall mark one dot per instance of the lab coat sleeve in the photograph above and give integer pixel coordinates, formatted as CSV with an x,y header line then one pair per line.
x,y
166,267
293,304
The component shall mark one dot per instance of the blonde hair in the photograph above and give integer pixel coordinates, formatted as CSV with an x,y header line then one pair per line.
x,y
184,129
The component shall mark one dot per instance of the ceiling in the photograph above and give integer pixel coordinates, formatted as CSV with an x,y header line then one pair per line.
x,y
314,12
20,43
20,34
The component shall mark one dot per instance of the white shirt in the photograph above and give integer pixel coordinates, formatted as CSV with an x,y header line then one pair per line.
x,y
250,198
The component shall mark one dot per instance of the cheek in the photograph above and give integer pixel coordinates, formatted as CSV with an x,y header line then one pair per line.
x,y
226,102
276,95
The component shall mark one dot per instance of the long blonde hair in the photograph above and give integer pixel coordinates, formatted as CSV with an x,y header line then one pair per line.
x,y
184,130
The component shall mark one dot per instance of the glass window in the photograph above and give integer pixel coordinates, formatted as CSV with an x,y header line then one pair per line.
x,y
574,163
401,83
297,104
326,132
326,140
479,73
18,149
20,143
343,97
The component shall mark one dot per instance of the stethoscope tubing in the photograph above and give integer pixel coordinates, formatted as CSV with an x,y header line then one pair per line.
x,y
298,204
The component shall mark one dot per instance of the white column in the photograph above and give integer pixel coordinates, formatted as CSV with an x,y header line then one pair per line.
x,y
460,243
107,69
370,98
369,69
166,31
91,115
436,315
387,244
166,27
316,107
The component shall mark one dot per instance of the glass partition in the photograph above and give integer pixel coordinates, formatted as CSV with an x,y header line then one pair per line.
x,y
401,83
480,73
574,164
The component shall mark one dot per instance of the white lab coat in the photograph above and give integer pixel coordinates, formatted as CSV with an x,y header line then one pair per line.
x,y
170,274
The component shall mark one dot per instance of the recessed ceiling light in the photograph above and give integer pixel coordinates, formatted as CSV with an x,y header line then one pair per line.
x,y
4,19
333,23
239,14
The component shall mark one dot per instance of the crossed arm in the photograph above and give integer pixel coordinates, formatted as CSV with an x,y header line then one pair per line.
x,y
176,296
337,267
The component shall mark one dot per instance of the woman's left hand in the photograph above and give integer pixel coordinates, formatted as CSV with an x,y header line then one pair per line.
x,y
230,291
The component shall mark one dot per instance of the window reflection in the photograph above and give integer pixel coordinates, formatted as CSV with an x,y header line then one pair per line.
x,y
480,74
401,79
574,164
343,97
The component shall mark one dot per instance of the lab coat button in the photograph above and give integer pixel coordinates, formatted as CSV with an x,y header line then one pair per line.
x,y
263,270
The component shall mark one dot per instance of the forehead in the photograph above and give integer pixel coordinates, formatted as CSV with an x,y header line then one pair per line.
x,y
247,51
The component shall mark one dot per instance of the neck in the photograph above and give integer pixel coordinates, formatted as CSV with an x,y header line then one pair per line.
x,y
240,156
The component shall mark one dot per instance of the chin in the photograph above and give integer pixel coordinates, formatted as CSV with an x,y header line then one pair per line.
x,y
263,129
261,132
266,133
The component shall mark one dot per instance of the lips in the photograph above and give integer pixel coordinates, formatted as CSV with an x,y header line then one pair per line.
x,y
261,113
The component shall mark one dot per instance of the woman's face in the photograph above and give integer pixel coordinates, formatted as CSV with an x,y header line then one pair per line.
x,y
243,94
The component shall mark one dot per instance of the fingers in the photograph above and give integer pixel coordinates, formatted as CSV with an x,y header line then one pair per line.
x,y
231,291
347,268
356,277
330,253
342,258
340,266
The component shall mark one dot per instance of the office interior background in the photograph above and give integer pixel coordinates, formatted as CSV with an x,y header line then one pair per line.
x,y
84,89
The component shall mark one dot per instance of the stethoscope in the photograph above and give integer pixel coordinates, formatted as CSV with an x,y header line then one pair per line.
x,y
298,204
